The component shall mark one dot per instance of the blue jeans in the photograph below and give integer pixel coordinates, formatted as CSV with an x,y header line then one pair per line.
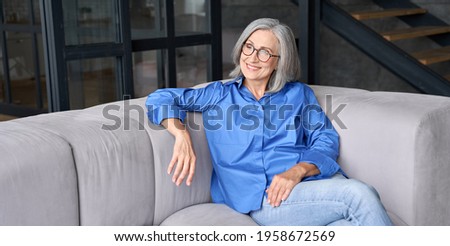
x,y
334,201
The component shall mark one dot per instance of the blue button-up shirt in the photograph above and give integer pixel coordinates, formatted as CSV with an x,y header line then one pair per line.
x,y
252,140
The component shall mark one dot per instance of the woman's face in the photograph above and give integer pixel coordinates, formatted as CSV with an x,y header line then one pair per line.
x,y
253,69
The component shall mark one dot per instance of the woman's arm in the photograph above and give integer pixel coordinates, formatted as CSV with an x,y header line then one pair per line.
x,y
183,152
321,138
167,107
318,160
283,183
175,102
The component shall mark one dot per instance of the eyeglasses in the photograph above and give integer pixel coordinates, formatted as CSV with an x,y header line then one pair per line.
x,y
262,54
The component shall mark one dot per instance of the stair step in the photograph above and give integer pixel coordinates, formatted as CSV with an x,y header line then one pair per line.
x,y
428,57
415,32
375,14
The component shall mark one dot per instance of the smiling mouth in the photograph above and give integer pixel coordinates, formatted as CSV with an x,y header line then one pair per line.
x,y
251,67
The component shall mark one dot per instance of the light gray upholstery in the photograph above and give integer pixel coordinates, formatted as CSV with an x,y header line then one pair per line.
x,y
208,214
107,165
399,143
38,183
114,167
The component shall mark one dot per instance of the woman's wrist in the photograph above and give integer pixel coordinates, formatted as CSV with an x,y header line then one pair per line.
x,y
306,169
181,133
175,127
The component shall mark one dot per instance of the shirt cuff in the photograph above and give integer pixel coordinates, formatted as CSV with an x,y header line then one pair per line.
x,y
326,165
158,114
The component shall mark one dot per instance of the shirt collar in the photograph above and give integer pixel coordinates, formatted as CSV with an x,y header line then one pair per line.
x,y
240,81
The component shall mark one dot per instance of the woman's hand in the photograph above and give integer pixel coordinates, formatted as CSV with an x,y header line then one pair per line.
x,y
183,157
283,183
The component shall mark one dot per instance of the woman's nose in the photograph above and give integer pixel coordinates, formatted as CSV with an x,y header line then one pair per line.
x,y
254,57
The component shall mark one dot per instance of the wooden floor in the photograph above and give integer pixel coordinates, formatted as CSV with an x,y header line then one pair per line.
x,y
4,117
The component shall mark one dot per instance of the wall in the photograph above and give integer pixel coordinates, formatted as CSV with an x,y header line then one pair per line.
x,y
341,64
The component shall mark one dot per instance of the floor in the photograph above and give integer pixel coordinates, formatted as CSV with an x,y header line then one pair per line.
x,y
4,117
24,94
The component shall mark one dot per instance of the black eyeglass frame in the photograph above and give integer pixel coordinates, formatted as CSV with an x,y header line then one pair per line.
x,y
257,52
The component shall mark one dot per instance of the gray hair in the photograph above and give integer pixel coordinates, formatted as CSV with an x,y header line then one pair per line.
x,y
288,64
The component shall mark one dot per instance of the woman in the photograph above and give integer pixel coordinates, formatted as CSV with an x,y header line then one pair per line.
x,y
273,149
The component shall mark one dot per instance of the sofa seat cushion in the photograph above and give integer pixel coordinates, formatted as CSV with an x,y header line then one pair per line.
x,y
208,214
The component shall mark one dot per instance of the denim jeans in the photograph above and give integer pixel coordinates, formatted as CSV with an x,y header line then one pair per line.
x,y
334,201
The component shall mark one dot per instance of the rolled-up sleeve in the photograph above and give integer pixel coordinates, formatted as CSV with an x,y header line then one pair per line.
x,y
175,102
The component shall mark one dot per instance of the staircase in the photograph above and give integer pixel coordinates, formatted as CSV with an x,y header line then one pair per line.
x,y
426,57
413,67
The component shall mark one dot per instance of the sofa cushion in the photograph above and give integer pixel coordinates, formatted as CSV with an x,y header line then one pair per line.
x,y
208,214
38,184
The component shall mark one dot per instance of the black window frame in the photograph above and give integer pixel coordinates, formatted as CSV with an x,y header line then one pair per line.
x,y
34,29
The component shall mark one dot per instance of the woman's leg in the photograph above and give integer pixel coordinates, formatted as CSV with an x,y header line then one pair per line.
x,y
335,201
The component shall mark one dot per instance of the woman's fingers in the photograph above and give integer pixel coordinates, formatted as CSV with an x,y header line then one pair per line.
x,y
281,187
183,161
172,164
275,199
286,194
185,169
191,171
279,193
273,191
282,195
177,171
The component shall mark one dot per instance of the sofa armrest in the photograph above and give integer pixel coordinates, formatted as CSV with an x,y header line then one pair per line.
x,y
38,180
398,142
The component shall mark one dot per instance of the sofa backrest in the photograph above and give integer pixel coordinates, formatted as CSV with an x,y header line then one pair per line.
x,y
167,198
170,198
107,165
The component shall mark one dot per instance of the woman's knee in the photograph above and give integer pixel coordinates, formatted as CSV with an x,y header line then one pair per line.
x,y
361,190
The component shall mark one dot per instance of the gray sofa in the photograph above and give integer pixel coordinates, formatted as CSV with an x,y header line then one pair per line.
x,y
106,165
